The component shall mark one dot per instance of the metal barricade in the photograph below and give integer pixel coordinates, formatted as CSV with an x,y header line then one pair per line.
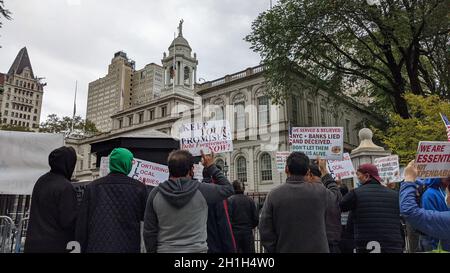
x,y
21,234
7,234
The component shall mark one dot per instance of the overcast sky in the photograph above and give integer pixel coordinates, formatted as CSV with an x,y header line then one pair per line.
x,y
69,40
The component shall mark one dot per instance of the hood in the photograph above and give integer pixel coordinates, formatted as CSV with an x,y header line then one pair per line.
x,y
178,192
120,161
433,182
62,161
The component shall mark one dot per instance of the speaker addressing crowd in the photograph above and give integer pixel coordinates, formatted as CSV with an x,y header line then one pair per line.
x,y
181,215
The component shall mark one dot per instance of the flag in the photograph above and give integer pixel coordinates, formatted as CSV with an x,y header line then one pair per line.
x,y
290,133
447,125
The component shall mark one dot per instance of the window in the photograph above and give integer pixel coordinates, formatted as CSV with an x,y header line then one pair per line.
x,y
294,111
266,167
347,130
218,114
163,111
141,117
263,111
6,113
34,118
35,111
152,114
323,115
310,109
4,120
239,116
7,105
241,169
28,124
130,120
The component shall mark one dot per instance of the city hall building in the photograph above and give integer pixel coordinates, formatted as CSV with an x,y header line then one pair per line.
x,y
158,98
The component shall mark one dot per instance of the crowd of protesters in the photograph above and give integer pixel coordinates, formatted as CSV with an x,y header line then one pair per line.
x,y
311,212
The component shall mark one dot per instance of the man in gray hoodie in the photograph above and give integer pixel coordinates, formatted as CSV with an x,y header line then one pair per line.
x,y
177,210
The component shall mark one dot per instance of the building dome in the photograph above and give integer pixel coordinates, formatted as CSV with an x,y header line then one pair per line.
x,y
180,41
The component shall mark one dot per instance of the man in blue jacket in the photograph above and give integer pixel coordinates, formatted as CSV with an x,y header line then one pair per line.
x,y
433,223
433,199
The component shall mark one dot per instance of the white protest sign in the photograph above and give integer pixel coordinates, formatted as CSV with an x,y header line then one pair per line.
x,y
433,159
281,160
104,166
208,136
149,173
325,142
341,168
198,172
388,168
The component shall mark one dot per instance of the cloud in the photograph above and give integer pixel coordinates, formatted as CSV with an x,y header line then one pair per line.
x,y
76,39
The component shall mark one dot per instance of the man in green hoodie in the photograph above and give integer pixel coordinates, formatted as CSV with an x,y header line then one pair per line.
x,y
112,209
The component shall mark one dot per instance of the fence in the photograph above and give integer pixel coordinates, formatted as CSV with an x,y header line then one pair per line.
x,y
258,198
14,211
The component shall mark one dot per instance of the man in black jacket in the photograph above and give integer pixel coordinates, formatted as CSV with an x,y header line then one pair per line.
x,y
53,205
375,211
319,174
293,217
244,218
112,209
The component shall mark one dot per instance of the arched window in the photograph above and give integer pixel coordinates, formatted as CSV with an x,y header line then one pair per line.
x,y
241,169
266,167
263,111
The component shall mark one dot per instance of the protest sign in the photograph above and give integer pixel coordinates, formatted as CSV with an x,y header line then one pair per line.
x,y
104,166
433,159
208,136
388,168
198,172
325,142
281,160
149,173
342,169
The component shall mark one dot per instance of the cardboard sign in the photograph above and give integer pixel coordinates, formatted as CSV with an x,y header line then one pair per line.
x,y
149,173
104,166
325,142
342,169
388,168
281,160
208,136
433,159
198,172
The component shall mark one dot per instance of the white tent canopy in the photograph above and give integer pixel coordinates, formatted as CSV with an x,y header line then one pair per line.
x,y
24,158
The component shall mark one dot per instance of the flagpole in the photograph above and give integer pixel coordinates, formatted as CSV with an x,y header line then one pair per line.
x,y
74,104
174,63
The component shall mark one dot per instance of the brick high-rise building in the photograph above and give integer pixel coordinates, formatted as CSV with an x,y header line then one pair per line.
x,y
21,94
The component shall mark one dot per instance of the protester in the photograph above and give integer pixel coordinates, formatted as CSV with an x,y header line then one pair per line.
x,y
177,210
244,218
53,205
288,223
112,209
319,174
433,223
433,199
374,220
220,237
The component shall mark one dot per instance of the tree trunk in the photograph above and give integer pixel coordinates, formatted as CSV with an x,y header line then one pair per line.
x,y
400,105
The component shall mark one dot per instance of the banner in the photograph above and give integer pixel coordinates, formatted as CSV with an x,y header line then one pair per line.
x,y
149,173
24,158
281,160
433,159
342,169
325,142
388,168
208,136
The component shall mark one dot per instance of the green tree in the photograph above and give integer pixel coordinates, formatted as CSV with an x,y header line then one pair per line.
x,y
54,124
380,50
4,12
402,136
